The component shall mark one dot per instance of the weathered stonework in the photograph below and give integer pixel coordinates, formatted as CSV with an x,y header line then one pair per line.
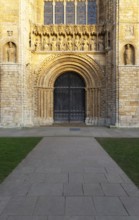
x,y
33,55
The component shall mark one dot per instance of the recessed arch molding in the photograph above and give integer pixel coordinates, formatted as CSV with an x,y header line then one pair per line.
x,y
47,74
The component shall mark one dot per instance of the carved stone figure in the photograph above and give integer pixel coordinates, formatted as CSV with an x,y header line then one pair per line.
x,y
129,55
69,43
67,37
37,45
77,43
46,44
11,53
101,43
77,29
54,43
93,43
35,30
68,29
85,44
61,43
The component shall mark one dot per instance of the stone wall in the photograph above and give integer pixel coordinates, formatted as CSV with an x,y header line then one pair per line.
x,y
105,10
15,17
11,96
119,93
129,96
107,17
128,64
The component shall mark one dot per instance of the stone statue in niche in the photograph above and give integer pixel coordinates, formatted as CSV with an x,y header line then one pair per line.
x,y
77,43
46,44
101,43
37,44
69,43
129,55
93,43
11,54
54,43
61,43
85,44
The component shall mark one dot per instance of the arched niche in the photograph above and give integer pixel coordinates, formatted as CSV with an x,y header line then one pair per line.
x,y
129,54
10,52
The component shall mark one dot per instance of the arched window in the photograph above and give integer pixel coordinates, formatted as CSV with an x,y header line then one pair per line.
x,y
70,12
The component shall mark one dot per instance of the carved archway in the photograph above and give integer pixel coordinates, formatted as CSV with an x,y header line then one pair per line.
x,y
48,73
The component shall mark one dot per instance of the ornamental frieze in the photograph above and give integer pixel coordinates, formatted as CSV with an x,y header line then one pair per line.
x,y
67,38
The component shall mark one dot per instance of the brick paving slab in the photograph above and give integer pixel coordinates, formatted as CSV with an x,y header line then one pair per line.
x,y
68,178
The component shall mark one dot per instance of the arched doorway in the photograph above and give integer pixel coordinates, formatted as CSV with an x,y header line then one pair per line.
x,y
83,67
69,98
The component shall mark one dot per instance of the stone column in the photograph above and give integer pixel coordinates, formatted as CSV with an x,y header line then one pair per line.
x,y
87,102
89,105
50,105
65,12
45,105
53,11
75,11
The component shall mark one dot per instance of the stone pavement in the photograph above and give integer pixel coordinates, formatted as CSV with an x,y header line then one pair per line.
x,y
68,178
83,131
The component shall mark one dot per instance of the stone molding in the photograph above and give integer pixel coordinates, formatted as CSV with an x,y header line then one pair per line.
x,y
52,68
56,64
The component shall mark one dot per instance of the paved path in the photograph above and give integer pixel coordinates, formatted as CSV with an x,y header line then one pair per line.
x,y
83,131
68,178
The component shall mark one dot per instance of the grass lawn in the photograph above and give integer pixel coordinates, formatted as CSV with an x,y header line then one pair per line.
x,y
12,151
125,151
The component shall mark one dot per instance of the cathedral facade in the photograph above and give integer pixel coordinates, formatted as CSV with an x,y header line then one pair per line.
x,y
69,61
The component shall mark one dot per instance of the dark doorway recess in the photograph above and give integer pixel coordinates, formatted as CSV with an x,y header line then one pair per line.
x,y
69,98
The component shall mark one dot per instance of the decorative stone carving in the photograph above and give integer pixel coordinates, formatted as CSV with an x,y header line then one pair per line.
x,y
77,43
10,52
54,43
129,55
46,45
37,45
69,43
101,43
9,33
93,43
86,43
61,44
67,38
129,31
53,65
